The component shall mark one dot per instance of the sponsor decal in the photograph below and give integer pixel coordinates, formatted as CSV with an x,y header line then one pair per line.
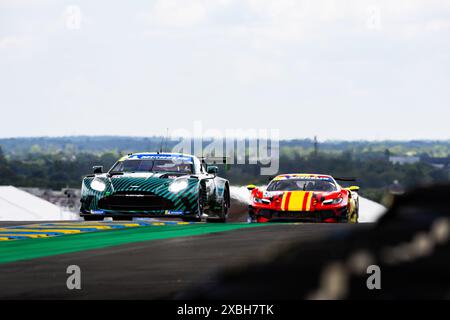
x,y
161,157
302,177
267,194
173,212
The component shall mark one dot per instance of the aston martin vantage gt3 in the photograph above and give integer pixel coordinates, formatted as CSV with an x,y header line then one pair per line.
x,y
156,185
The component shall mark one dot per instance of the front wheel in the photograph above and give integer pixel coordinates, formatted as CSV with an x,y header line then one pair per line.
x,y
251,215
344,218
191,219
223,215
198,216
355,215
93,218
122,218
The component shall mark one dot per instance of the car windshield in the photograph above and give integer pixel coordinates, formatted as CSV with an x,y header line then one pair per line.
x,y
152,166
302,184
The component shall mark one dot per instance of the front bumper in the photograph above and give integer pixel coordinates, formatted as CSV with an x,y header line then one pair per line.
x,y
130,215
135,202
309,216
138,204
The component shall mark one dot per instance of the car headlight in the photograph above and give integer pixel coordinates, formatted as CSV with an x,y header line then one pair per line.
x,y
98,185
333,201
178,185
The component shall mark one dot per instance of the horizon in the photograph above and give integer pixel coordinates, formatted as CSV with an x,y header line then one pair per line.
x,y
209,138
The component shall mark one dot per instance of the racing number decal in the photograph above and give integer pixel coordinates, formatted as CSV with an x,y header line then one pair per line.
x,y
296,201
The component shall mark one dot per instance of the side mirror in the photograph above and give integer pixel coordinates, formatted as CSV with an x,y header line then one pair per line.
x,y
353,188
251,187
97,169
213,170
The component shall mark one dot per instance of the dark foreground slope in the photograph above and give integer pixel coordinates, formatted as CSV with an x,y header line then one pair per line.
x,y
410,246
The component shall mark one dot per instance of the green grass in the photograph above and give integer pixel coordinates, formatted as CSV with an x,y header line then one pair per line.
x,y
16,250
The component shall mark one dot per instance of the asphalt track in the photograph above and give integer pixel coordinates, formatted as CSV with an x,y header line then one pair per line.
x,y
143,262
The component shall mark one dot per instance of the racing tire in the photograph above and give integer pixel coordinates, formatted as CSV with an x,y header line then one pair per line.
x,y
355,216
198,218
223,210
344,218
251,215
93,218
191,219
122,219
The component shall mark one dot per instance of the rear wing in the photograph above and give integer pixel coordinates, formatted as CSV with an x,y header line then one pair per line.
x,y
345,179
214,160
206,161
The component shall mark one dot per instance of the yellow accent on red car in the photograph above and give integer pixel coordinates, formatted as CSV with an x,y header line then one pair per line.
x,y
296,201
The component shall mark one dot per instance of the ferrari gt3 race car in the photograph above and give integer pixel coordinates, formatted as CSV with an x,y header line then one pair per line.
x,y
304,197
156,185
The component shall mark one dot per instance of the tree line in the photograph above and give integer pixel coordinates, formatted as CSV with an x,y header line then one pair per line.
x,y
62,169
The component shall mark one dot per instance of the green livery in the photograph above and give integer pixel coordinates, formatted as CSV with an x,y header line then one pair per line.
x,y
156,185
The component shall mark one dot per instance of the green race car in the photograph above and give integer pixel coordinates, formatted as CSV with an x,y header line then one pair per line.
x,y
156,185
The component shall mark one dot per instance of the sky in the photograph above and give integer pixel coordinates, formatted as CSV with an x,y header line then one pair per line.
x,y
336,69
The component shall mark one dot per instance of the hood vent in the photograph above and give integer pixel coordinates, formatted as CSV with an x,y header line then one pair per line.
x,y
173,175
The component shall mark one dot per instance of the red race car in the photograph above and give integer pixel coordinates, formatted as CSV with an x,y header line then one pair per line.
x,y
304,197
